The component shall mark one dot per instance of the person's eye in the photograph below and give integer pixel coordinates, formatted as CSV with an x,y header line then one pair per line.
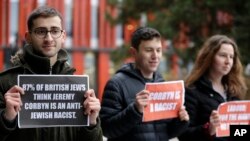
x,y
223,55
41,32
55,31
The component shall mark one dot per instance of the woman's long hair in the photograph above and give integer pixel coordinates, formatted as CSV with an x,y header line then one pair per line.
x,y
233,80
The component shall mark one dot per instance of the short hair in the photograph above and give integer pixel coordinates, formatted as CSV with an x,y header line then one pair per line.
x,y
42,11
143,33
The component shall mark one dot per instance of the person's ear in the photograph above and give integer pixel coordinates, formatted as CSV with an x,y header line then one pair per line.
x,y
132,51
28,37
64,35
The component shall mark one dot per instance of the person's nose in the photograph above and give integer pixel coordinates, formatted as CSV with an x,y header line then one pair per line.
x,y
48,36
228,59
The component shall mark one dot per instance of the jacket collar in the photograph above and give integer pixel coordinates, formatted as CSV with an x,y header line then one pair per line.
x,y
38,64
129,69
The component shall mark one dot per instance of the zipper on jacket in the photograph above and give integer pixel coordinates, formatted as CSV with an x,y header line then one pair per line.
x,y
50,70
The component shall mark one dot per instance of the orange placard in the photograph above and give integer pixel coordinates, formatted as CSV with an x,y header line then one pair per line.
x,y
232,113
166,98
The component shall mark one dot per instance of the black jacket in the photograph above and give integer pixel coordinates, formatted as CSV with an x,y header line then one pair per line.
x,y
120,119
200,100
29,63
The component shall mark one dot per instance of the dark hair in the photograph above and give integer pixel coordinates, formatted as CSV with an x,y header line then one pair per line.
x,y
42,11
143,33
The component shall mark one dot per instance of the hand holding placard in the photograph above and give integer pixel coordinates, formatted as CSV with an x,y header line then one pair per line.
x,y
232,113
165,100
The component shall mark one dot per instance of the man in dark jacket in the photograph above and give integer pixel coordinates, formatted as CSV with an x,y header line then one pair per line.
x,y
125,95
43,54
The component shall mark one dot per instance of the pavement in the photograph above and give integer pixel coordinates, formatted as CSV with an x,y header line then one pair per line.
x,y
173,139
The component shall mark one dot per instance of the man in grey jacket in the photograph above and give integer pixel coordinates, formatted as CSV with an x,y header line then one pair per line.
x,y
125,96
43,54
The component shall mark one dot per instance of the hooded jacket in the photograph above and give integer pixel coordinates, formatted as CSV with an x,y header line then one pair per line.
x,y
27,62
121,121
200,100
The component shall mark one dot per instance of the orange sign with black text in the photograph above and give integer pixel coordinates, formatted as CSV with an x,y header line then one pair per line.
x,y
232,113
166,98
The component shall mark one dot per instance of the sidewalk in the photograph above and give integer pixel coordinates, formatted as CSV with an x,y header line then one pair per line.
x,y
174,139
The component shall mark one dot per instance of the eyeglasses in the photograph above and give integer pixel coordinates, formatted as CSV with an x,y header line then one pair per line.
x,y
43,32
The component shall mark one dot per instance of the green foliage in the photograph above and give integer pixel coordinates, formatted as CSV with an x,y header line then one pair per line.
x,y
194,13
120,54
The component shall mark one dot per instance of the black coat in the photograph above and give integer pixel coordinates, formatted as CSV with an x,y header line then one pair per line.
x,y
30,63
200,100
120,119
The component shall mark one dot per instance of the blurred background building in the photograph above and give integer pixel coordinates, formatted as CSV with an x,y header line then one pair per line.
x,y
98,31
90,37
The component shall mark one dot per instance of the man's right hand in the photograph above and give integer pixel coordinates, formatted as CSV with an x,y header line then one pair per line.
x,y
141,100
13,102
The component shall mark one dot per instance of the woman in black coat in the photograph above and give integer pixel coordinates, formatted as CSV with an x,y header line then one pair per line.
x,y
216,78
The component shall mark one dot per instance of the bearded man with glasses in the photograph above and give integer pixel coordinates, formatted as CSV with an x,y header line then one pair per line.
x,y
43,54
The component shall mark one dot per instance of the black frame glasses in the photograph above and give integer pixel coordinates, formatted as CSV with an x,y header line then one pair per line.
x,y
43,32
